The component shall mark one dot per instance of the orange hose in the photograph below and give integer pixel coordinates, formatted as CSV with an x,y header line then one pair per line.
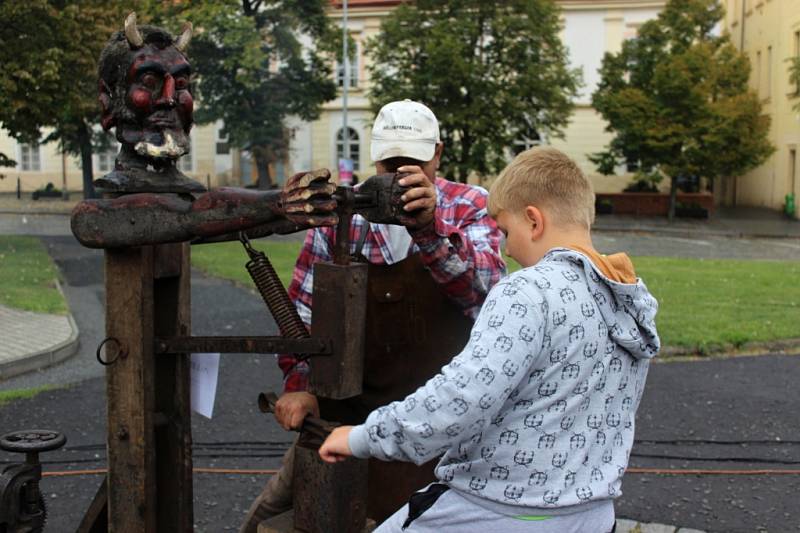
x,y
102,471
234,471
657,471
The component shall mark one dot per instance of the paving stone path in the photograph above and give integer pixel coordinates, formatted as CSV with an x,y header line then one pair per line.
x,y
34,340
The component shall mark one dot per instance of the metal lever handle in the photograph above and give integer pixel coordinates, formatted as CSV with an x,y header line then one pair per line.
x,y
312,425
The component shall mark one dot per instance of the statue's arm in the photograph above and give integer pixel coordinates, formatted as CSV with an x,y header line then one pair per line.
x,y
150,218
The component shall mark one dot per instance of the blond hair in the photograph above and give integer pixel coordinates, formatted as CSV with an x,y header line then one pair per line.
x,y
544,177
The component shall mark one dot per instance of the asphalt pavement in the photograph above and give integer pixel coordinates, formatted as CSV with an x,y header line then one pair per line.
x,y
747,406
238,436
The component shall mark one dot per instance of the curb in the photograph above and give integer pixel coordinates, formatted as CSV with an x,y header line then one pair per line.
x,y
43,358
47,357
632,526
690,234
780,346
15,212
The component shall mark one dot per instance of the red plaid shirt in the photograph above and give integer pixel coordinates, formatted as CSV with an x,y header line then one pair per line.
x,y
461,250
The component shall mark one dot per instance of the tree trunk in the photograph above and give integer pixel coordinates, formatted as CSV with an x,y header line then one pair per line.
x,y
262,167
85,142
673,197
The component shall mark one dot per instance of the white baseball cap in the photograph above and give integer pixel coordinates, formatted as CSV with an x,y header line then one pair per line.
x,y
404,129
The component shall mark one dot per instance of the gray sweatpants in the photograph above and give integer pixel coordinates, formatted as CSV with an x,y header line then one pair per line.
x,y
453,513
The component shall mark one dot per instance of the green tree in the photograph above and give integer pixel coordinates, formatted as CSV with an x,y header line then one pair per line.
x,y
492,72
48,52
677,101
253,70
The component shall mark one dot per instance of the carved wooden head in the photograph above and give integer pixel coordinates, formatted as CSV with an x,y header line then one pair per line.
x,y
145,90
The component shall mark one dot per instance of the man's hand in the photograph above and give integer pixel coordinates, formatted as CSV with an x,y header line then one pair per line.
x,y
336,447
293,407
420,201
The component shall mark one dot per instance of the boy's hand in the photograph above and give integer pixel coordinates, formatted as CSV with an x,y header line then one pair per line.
x,y
336,447
292,408
421,199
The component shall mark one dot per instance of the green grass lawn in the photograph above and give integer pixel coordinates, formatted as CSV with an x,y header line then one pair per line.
x,y
22,394
705,305
227,259
28,276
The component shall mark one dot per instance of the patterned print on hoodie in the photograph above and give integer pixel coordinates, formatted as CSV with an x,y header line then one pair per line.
x,y
538,409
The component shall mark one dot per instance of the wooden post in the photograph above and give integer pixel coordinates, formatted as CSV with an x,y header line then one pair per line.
x,y
149,419
328,497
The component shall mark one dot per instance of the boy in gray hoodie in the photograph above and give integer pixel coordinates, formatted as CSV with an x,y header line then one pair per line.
x,y
535,417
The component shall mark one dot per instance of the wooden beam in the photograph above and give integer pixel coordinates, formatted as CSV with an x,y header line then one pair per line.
x,y
129,389
173,440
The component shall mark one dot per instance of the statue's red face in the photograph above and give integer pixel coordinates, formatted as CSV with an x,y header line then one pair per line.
x,y
159,101
158,89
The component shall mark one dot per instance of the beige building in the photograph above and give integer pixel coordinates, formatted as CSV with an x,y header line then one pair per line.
x,y
211,160
591,28
768,31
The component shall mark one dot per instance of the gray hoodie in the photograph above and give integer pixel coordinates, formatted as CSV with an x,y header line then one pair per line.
x,y
537,412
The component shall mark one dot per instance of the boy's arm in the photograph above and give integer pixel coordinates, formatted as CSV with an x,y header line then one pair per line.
x,y
463,256
456,404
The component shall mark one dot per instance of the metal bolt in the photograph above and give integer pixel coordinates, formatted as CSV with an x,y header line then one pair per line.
x,y
388,295
122,434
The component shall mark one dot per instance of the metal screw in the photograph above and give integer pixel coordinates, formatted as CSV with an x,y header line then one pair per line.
x,y
388,295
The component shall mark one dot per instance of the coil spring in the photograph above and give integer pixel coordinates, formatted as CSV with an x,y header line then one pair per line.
x,y
275,296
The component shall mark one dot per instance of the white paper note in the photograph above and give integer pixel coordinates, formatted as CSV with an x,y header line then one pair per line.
x,y
205,370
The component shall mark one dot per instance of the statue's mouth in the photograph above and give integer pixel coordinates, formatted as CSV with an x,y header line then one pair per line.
x,y
162,123
162,120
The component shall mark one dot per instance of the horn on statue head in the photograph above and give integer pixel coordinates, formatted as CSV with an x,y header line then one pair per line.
x,y
186,35
132,33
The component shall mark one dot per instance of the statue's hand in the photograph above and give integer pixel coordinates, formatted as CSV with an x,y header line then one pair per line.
x,y
307,199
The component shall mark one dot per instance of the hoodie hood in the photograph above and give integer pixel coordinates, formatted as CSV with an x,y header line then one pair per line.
x,y
629,310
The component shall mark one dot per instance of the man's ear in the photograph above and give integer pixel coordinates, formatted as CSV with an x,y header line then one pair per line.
x,y
535,220
437,154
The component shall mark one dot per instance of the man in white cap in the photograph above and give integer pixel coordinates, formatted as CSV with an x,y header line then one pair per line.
x,y
433,274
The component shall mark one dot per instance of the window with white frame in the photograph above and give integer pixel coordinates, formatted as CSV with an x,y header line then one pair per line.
x,y
797,56
352,68
105,158
223,147
29,158
353,144
186,163
522,144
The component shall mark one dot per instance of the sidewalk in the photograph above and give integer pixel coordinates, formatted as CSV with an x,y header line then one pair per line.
x,y
32,341
735,222
631,526
45,206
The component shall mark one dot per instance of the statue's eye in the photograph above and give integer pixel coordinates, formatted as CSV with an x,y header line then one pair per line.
x,y
149,80
181,82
